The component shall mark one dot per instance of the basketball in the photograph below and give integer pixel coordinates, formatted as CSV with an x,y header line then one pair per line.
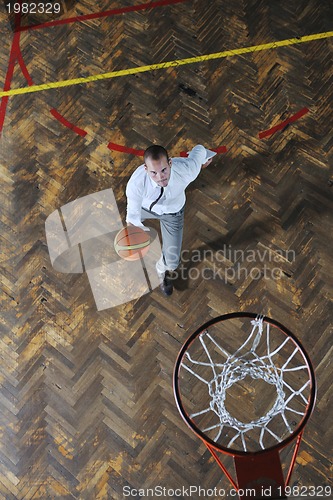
x,y
132,243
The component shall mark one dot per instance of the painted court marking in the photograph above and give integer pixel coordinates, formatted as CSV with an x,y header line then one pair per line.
x,y
283,124
98,15
112,145
16,55
167,64
66,123
123,149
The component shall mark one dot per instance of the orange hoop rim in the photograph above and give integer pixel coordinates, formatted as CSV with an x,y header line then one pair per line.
x,y
209,442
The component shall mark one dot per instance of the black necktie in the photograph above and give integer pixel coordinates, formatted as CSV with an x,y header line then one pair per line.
x,y
154,202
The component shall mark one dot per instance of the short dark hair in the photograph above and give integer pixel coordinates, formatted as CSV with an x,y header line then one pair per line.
x,y
155,152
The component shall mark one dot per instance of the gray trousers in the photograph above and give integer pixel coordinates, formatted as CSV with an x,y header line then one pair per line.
x,y
172,237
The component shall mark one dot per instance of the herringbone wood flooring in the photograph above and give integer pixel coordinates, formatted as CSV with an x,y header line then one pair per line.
x,y
86,397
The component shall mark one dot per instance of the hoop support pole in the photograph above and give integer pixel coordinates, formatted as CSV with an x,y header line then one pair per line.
x,y
293,460
260,476
221,466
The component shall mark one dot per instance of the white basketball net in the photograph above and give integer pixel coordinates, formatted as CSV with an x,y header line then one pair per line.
x,y
246,362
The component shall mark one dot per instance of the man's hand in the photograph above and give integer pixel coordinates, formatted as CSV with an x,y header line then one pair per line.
x,y
205,165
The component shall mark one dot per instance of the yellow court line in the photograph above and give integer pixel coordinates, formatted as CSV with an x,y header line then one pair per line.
x,y
164,65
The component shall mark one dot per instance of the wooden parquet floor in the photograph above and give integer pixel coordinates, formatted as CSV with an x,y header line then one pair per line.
x,y
86,400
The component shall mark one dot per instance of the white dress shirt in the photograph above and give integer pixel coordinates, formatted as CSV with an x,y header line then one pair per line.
x,y
142,191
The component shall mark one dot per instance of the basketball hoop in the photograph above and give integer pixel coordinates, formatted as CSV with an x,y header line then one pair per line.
x,y
218,371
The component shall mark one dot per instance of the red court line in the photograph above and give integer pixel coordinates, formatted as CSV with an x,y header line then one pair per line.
x,y
283,124
123,149
221,149
13,55
66,123
24,68
8,79
96,15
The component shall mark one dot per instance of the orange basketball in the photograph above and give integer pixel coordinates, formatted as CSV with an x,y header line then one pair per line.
x,y
132,243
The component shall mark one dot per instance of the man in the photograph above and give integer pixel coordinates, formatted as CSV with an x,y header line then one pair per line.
x,y
156,190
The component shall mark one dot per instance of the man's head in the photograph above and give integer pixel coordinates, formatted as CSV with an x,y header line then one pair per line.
x,y
158,164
